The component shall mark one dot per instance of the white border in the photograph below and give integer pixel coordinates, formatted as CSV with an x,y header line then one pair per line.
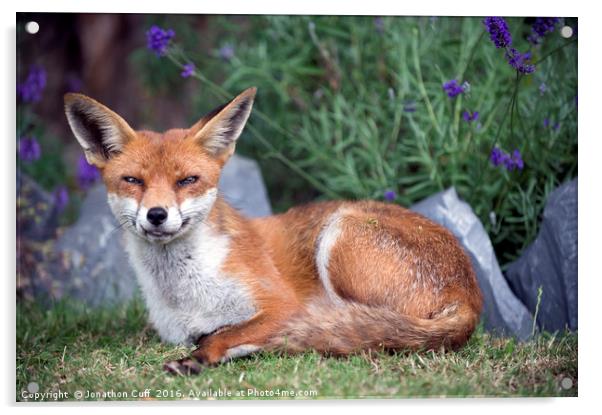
x,y
590,151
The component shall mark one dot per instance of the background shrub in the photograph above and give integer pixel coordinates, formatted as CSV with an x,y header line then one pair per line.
x,y
392,108
355,107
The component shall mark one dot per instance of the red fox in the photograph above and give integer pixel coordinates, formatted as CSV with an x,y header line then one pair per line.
x,y
337,277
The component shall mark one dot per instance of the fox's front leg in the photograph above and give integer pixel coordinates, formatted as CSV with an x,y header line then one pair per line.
x,y
235,341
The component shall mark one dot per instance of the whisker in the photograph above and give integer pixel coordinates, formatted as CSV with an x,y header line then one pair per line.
x,y
127,221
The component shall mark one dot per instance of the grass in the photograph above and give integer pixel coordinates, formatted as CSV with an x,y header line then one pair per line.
x,y
70,348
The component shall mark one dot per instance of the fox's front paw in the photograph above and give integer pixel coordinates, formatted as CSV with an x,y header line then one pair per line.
x,y
183,367
207,356
210,351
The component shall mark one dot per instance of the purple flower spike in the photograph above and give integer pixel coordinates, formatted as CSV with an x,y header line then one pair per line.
x,y
510,162
188,70
390,195
541,27
158,39
87,174
226,52
453,88
470,117
61,198
29,149
498,31
543,88
409,106
31,90
497,156
517,159
379,25
520,61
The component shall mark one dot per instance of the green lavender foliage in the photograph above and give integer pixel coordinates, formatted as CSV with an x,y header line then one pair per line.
x,y
350,107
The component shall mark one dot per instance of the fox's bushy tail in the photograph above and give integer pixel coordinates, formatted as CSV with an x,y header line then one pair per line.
x,y
351,327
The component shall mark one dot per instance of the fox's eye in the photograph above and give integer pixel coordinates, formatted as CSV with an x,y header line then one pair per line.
x,y
133,180
188,180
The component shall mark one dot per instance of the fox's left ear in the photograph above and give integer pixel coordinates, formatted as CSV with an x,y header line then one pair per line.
x,y
218,131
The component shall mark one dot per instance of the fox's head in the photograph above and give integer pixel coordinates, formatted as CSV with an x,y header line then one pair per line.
x,y
159,184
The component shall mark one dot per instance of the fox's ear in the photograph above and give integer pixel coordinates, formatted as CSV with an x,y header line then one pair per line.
x,y
218,131
100,131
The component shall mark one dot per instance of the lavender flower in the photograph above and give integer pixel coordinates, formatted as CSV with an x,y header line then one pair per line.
x,y
158,39
498,31
520,61
87,174
501,37
517,160
409,106
188,70
29,149
541,27
497,156
547,123
390,195
469,117
453,88
379,25
544,25
226,52
533,39
61,198
510,162
543,88
31,90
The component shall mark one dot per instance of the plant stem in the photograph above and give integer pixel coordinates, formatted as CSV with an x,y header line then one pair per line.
x,y
223,94
513,106
539,293
279,156
429,106
547,55
472,52
499,130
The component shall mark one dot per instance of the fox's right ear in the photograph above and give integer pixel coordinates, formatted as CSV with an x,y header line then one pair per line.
x,y
101,132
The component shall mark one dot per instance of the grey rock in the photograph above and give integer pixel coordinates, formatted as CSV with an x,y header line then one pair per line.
x,y
550,262
92,265
95,268
37,212
242,186
503,312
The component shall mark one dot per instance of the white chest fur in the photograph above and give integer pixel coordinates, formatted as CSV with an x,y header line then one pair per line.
x,y
186,292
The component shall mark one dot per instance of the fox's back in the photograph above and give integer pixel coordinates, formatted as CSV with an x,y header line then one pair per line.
x,y
402,251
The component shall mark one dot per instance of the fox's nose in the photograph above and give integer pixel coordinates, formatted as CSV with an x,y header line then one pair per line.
x,y
156,215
